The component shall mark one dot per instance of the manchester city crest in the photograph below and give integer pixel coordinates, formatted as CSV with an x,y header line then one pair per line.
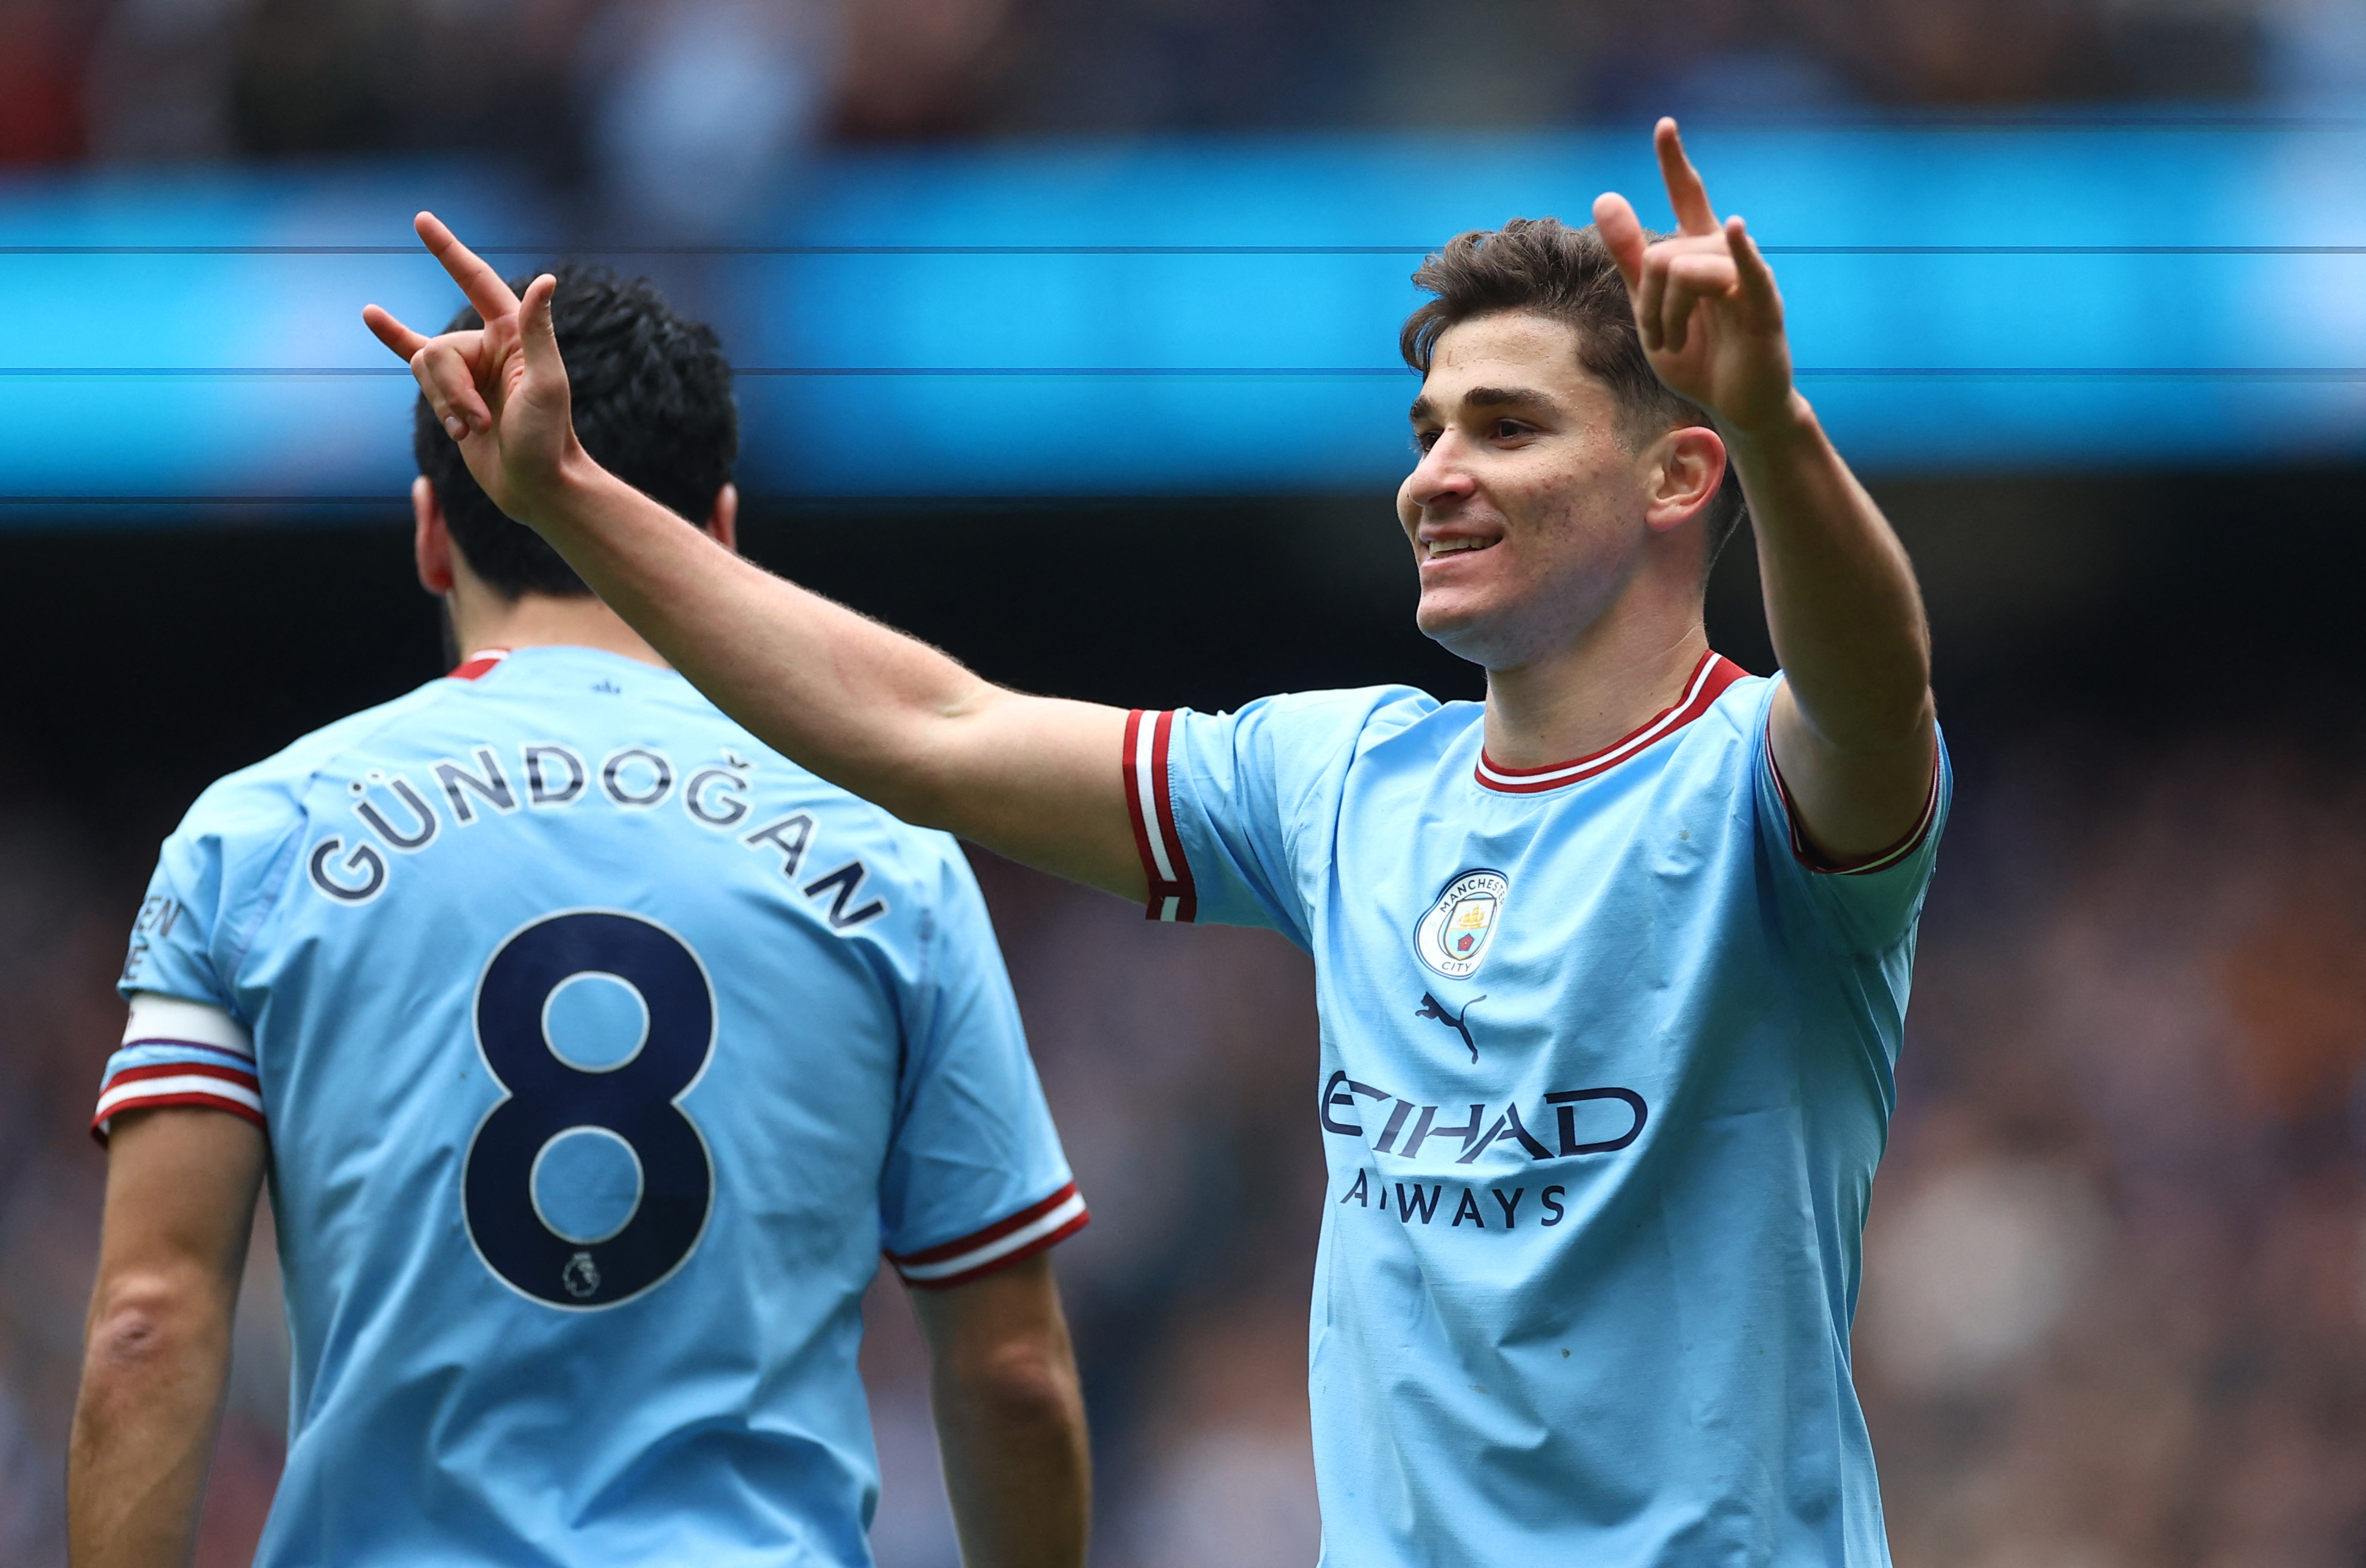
x,y
1453,936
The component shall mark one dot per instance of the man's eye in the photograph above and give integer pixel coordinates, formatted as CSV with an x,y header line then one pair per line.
x,y
1510,429
1423,440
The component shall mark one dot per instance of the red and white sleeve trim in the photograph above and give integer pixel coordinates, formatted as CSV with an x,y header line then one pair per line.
x,y
998,1246
1149,804
178,1052
213,1086
1815,859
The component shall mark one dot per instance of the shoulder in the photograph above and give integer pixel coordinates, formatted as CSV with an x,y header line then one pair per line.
x,y
1293,748
1324,723
266,799
1738,710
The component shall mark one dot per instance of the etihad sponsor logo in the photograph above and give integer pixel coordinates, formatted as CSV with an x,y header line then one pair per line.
x,y
1580,1121
1419,1204
1453,936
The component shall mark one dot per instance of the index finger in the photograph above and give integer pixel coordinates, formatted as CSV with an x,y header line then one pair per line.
x,y
1622,233
485,288
389,331
1685,192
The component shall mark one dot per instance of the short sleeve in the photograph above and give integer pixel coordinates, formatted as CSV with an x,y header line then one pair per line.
x,y
1219,801
974,1178
187,1043
179,1053
1869,905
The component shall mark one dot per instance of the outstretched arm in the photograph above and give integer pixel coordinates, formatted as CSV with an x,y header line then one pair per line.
x,y
881,714
181,1185
1852,727
1010,1419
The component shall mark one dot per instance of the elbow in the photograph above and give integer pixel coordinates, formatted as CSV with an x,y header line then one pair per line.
x,y
146,1324
1023,1386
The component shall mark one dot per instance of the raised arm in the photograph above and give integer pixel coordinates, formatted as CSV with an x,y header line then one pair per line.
x,y
181,1185
1010,1418
881,714
1854,730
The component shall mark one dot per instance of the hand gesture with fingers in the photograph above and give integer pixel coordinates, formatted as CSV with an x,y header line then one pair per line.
x,y
1705,299
500,390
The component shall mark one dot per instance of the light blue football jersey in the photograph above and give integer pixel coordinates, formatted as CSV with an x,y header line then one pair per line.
x,y
602,1050
1605,1070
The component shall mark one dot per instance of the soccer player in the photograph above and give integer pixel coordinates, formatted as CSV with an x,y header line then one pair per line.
x,y
1611,967
593,1051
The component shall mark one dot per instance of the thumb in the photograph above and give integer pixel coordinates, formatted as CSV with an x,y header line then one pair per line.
x,y
1622,233
537,337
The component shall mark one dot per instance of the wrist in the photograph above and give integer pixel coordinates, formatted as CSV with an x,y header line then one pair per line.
x,y
567,494
1792,423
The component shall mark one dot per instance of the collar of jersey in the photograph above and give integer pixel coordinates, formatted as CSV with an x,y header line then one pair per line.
x,y
477,663
1708,682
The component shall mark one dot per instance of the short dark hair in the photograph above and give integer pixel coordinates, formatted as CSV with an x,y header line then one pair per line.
x,y
653,406
1543,267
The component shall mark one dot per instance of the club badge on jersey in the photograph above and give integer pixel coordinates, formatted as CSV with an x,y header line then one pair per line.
x,y
1452,936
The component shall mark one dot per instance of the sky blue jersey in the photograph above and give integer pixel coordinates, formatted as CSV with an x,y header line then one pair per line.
x,y
1607,1066
601,1052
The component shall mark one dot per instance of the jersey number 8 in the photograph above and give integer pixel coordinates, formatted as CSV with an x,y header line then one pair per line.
x,y
633,1101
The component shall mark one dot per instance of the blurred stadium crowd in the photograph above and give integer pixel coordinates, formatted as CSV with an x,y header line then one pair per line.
x,y
624,97
2117,1264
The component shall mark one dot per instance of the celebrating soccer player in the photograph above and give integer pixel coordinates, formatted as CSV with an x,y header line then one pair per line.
x,y
594,1051
1611,968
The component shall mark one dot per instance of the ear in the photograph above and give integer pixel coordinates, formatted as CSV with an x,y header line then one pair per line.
x,y
723,524
431,539
1682,472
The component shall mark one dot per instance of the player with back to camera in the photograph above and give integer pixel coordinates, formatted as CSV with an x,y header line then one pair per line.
x,y
1611,968
593,1051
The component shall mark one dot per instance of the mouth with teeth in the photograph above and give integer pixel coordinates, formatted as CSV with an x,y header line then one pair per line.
x,y
1436,548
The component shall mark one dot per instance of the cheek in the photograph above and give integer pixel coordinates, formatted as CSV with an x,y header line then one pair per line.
x,y
1408,513
1579,504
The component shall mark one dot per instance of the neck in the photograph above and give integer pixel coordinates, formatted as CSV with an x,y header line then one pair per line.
x,y
1581,696
484,620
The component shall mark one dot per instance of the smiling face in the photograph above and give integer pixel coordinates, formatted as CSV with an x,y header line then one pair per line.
x,y
1528,512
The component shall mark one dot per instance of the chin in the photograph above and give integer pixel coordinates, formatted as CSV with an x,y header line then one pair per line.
x,y
1460,630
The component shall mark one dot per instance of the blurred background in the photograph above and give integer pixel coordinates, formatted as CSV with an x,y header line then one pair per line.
x,y
1065,330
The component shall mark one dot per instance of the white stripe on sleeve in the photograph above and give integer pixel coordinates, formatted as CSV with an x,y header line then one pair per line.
x,y
1000,1246
159,1018
178,1083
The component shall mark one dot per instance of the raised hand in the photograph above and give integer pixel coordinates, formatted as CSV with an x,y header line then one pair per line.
x,y
500,390
1705,299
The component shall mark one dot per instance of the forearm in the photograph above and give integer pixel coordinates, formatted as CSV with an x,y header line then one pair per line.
x,y
868,709
1010,1419
1841,604
834,688
1018,1468
153,1380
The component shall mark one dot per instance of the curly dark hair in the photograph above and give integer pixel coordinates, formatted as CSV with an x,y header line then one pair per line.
x,y
1543,267
653,406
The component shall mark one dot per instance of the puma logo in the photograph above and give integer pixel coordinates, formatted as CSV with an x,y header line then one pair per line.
x,y
1432,1007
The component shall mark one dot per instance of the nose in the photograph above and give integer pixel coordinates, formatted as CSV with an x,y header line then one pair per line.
x,y
1442,474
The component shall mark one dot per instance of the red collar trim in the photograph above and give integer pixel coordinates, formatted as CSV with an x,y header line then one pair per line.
x,y
1709,681
477,663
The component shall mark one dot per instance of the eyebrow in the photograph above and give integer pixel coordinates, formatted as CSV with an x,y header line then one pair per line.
x,y
1522,398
